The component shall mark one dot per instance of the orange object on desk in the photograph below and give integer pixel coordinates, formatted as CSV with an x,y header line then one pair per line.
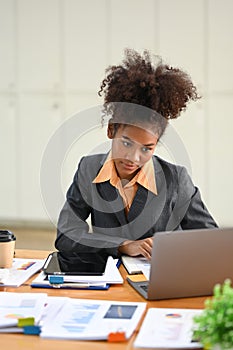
x,y
117,337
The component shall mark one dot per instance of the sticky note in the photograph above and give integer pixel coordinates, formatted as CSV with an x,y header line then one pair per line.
x,y
56,279
27,321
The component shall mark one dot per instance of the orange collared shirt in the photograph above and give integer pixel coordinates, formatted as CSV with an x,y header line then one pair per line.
x,y
145,177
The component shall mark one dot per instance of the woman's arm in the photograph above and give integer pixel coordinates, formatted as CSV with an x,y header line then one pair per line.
x,y
189,211
72,230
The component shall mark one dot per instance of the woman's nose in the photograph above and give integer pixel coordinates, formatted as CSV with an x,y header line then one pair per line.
x,y
133,155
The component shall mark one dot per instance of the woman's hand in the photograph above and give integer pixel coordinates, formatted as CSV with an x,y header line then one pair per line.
x,y
141,247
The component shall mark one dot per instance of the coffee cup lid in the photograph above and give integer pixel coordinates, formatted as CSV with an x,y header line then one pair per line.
x,y
6,236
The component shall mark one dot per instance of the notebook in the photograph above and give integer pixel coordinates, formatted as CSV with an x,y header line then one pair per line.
x,y
188,263
135,265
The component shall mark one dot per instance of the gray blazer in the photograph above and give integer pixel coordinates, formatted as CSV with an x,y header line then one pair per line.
x,y
178,205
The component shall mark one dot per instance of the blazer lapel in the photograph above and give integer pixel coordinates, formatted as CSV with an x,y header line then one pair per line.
x,y
110,194
148,207
138,203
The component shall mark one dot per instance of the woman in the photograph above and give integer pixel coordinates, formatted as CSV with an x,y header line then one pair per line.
x,y
129,193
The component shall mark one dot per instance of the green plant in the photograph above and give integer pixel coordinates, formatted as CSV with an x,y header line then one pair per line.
x,y
214,326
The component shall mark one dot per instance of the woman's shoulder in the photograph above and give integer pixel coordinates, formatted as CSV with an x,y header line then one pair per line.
x,y
161,164
95,157
89,166
93,161
165,164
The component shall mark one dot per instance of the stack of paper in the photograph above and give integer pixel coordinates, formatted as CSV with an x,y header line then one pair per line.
x,y
68,318
110,276
165,328
18,306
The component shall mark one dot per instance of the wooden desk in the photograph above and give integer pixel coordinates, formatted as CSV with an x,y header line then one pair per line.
x,y
116,292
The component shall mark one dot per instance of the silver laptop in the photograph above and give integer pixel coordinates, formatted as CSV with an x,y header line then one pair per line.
x,y
188,263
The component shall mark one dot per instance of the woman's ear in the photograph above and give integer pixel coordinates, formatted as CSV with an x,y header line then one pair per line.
x,y
110,131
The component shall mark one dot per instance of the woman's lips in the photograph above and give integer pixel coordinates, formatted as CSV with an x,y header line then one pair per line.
x,y
129,166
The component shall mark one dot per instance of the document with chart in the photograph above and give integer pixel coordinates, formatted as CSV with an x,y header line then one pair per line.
x,y
82,319
20,272
165,328
17,306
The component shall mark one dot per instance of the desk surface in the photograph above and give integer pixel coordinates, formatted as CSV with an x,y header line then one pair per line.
x,y
116,292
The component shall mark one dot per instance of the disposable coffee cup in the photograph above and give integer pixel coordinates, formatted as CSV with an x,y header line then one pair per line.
x,y
7,248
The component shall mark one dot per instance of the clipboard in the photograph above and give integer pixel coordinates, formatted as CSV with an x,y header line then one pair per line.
x,y
43,281
103,282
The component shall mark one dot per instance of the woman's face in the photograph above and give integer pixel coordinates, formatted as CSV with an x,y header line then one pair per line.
x,y
132,147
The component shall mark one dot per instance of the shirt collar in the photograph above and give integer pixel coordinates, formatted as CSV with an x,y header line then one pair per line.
x,y
145,177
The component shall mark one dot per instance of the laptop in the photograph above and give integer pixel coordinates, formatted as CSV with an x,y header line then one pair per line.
x,y
188,263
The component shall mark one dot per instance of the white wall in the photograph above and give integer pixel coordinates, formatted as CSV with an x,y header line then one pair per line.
x,y
53,54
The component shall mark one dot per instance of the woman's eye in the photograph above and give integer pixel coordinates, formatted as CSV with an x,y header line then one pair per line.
x,y
126,143
145,149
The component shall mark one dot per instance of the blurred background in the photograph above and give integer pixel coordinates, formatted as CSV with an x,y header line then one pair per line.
x,y
53,56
